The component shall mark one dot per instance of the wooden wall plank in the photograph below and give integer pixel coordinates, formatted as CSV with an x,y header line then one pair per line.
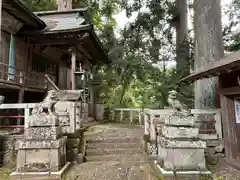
x,y
229,130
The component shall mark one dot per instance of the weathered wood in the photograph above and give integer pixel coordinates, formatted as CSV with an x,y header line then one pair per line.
x,y
10,24
230,91
51,83
229,132
73,69
20,100
82,50
17,105
57,41
226,65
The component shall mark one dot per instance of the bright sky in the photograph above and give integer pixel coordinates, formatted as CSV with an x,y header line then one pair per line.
x,y
122,21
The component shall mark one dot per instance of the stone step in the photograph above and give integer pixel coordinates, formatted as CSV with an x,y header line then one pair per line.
x,y
113,157
114,145
108,170
100,151
115,140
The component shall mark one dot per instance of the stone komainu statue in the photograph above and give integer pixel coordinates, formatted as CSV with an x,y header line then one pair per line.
x,y
173,102
48,103
176,104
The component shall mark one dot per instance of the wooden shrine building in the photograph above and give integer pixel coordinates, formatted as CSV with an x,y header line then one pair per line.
x,y
58,43
228,71
61,44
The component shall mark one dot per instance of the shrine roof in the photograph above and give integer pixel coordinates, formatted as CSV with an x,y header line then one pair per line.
x,y
65,21
18,10
225,65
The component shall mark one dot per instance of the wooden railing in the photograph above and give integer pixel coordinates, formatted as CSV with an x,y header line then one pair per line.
x,y
27,110
21,77
209,128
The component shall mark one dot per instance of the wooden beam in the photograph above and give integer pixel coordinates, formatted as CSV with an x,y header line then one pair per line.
x,y
58,40
61,41
82,50
230,91
17,105
9,23
51,83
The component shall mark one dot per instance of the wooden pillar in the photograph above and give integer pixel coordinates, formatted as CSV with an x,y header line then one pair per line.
x,y
11,69
73,70
90,88
92,102
20,100
229,125
62,80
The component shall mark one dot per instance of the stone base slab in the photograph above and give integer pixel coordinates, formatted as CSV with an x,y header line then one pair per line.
x,y
182,159
181,175
39,133
43,120
176,120
167,143
41,160
180,132
40,175
41,144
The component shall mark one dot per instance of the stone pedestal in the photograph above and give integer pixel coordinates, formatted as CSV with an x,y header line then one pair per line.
x,y
179,149
42,152
68,109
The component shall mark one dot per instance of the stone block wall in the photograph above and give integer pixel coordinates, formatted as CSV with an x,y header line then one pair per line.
x,y
8,149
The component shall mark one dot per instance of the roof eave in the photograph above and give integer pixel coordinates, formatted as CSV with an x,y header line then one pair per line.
x,y
38,23
105,55
43,13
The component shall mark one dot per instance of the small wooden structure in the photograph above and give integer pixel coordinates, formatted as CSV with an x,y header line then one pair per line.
x,y
228,71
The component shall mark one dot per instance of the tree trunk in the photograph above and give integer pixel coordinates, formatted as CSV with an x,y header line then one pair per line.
x,y
182,51
182,47
0,23
208,48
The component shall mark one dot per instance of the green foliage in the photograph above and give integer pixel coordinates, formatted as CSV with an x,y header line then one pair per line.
x,y
138,75
41,5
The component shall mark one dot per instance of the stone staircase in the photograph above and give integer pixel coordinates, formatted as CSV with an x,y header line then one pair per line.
x,y
116,153
114,149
